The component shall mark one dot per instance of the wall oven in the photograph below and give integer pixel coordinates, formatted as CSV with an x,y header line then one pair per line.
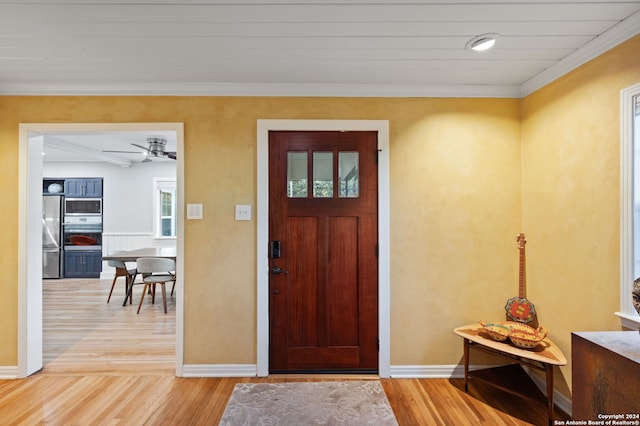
x,y
82,233
83,206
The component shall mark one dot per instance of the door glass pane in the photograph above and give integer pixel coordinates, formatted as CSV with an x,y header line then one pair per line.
x,y
348,173
297,181
323,174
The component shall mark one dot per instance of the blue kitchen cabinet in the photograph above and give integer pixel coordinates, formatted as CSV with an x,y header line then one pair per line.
x,y
83,188
82,264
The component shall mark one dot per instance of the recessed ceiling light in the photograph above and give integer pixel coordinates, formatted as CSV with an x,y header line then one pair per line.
x,y
482,42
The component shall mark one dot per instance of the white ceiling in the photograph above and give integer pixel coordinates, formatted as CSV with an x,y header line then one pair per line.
x,y
91,147
301,47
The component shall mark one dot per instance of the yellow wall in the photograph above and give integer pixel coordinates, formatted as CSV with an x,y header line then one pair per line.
x,y
571,194
455,187
455,210
466,176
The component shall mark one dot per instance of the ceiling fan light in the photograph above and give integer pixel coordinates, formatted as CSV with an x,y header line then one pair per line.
x,y
482,42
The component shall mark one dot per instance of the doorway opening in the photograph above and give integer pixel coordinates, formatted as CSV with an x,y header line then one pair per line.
x,y
33,138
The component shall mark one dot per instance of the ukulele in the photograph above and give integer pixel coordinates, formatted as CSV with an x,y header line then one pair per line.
x,y
519,308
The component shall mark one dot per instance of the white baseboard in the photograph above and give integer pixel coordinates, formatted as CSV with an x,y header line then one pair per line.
x,y
220,370
562,401
457,372
433,371
398,371
426,371
9,372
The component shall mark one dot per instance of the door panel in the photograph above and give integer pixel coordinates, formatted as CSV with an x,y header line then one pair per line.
x,y
302,281
342,282
323,210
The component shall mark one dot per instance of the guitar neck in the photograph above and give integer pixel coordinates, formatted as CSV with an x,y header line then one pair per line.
x,y
523,274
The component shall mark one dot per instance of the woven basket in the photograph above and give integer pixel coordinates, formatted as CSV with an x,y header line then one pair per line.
x,y
497,332
520,327
527,340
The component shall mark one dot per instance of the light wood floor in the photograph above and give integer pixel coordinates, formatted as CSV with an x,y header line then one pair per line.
x,y
83,334
106,365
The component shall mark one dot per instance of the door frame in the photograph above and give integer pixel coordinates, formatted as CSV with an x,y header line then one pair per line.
x,y
30,307
262,240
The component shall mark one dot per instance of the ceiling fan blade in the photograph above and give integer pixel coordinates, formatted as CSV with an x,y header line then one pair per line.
x,y
126,152
171,155
141,147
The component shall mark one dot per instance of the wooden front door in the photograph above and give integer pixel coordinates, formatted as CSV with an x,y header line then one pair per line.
x,y
323,232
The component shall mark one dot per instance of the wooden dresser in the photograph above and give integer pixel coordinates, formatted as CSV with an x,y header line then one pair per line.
x,y
605,369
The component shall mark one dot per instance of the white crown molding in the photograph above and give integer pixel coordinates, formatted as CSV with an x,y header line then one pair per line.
x,y
596,47
252,89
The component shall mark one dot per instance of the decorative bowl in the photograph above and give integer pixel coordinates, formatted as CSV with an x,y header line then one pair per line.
x,y
55,188
518,326
497,332
526,340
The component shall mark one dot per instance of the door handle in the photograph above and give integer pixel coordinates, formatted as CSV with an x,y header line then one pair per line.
x,y
276,270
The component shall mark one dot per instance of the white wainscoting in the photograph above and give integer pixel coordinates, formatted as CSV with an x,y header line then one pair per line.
x,y
112,242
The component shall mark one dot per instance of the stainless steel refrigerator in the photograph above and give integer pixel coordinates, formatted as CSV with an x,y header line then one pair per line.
x,y
52,236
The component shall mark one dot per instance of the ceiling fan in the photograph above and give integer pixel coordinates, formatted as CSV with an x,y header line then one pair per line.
x,y
156,148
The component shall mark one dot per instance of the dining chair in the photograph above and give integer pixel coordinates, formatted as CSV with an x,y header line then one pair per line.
x,y
122,270
156,270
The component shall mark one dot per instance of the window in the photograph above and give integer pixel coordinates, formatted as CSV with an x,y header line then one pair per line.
x,y
349,176
297,175
323,174
164,210
630,202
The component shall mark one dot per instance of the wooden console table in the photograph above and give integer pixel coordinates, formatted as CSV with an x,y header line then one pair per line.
x,y
605,369
543,357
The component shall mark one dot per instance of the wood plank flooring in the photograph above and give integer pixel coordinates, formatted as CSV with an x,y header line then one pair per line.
x,y
83,334
106,365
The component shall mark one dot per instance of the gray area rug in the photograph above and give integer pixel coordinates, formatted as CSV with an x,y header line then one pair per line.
x,y
308,403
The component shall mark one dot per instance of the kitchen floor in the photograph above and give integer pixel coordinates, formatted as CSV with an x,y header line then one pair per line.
x,y
84,335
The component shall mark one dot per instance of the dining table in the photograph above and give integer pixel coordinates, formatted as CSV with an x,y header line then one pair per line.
x,y
133,255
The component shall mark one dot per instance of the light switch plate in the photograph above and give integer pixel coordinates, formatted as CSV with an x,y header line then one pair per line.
x,y
194,211
243,212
